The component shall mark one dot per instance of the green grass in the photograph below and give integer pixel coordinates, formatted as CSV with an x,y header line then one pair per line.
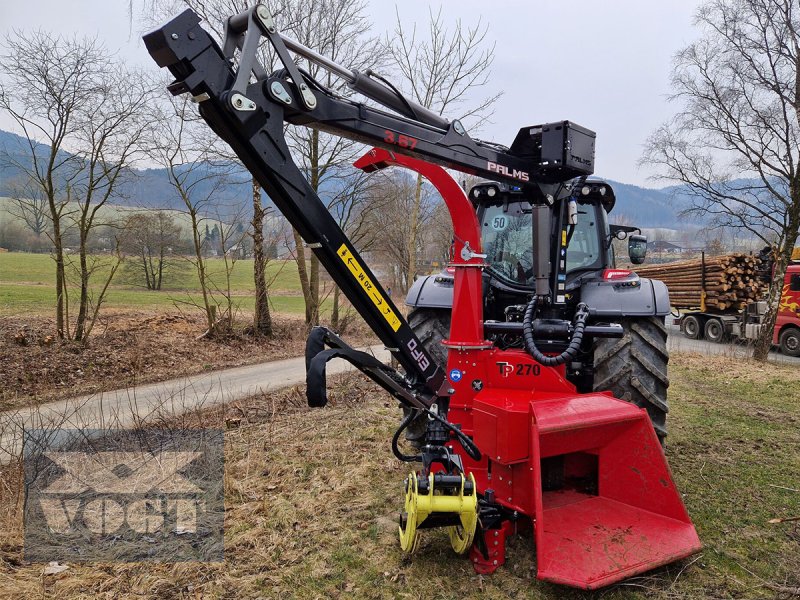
x,y
27,285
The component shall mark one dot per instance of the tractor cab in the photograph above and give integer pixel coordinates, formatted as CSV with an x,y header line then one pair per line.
x,y
505,217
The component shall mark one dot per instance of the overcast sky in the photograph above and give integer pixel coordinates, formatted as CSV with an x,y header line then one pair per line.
x,y
604,64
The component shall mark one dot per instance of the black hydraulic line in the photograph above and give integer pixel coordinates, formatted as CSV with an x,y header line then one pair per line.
x,y
396,438
581,314
469,446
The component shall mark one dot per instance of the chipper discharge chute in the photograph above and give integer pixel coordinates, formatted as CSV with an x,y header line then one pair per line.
x,y
512,358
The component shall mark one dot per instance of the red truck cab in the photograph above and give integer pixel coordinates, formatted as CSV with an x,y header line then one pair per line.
x,y
787,325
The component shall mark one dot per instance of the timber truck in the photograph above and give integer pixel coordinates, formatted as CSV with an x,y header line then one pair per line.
x,y
744,321
543,401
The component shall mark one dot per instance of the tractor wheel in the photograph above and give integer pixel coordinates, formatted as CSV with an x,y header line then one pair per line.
x,y
634,368
790,341
431,326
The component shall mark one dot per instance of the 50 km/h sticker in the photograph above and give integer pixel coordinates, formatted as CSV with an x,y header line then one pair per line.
x,y
369,287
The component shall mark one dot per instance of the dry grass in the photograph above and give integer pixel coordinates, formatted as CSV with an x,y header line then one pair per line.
x,y
131,348
312,498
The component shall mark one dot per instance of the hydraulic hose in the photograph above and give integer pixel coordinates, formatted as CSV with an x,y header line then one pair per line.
x,y
581,315
396,438
466,443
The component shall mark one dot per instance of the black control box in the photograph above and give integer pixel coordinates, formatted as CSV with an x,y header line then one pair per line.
x,y
560,151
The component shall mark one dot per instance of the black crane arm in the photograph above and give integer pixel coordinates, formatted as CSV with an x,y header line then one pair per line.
x,y
247,108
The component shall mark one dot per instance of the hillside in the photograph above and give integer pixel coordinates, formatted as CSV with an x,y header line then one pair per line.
x,y
150,188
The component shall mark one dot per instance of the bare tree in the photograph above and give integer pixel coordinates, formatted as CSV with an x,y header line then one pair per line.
x,y
186,150
30,205
215,14
339,30
151,242
262,319
395,194
111,127
352,205
734,142
47,82
442,69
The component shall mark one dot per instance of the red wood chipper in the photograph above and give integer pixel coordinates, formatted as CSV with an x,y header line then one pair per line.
x,y
533,374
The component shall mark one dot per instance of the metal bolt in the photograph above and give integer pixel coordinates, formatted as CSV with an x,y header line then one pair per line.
x,y
496,533
174,36
509,482
496,542
509,498
494,562
238,102
475,559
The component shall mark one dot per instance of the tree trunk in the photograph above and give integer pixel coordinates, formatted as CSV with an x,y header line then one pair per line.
x,y
262,320
302,272
211,310
309,279
313,289
335,309
160,268
764,342
83,306
412,233
61,282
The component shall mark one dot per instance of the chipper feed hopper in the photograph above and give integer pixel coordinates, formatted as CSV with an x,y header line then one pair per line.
x,y
513,435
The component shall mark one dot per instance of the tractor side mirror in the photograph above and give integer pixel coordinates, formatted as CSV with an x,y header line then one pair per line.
x,y
637,249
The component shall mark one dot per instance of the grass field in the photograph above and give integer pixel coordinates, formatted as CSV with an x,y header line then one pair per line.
x,y
27,283
312,498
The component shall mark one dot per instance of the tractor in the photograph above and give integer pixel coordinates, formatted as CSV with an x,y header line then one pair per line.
x,y
634,367
527,412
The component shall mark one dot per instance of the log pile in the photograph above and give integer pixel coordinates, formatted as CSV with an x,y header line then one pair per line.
x,y
731,281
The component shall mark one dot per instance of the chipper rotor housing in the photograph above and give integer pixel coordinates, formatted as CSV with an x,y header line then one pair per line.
x,y
587,470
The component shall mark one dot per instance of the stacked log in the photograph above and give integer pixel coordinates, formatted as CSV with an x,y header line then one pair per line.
x,y
731,281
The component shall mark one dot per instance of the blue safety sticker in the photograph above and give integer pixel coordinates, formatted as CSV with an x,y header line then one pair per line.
x,y
455,375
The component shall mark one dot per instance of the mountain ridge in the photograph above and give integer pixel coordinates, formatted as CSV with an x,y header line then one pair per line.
x,y
150,188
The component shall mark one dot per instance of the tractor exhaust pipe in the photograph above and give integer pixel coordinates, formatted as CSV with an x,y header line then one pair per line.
x,y
541,221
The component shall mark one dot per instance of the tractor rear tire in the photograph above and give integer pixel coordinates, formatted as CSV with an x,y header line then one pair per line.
x,y
431,326
634,368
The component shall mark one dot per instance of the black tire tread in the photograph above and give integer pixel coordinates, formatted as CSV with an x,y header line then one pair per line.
x,y
634,368
431,326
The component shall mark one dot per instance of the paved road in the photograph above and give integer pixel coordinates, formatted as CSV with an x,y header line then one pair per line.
x,y
677,342
125,407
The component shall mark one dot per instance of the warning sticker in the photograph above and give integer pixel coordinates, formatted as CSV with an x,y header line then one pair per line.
x,y
369,287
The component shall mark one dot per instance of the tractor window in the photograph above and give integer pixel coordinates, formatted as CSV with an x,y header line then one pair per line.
x,y
507,242
794,283
584,246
